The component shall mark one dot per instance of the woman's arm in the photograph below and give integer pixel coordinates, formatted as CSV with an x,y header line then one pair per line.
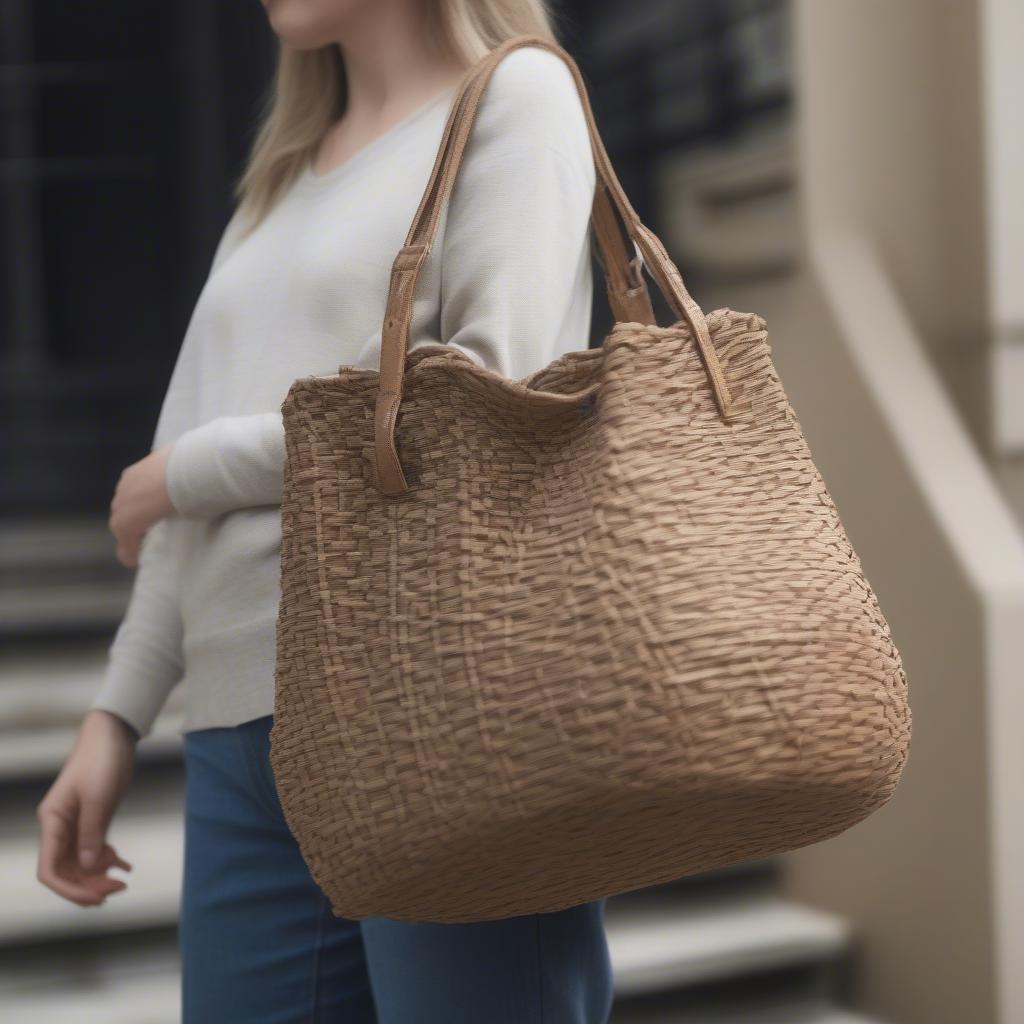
x,y
144,658
516,250
231,462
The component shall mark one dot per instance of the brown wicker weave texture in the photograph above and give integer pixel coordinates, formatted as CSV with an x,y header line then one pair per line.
x,y
595,644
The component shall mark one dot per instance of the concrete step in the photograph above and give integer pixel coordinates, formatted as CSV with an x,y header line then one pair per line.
x,y
28,545
60,575
98,982
45,689
113,1000
658,943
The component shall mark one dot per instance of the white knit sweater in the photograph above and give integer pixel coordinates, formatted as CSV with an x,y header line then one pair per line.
x,y
509,281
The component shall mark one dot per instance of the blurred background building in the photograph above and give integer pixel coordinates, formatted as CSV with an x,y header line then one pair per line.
x,y
853,170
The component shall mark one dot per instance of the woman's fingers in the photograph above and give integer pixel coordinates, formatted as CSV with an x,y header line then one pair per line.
x,y
60,867
56,857
127,543
125,522
98,878
140,500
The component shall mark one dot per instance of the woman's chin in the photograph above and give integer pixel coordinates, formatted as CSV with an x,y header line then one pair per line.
x,y
309,24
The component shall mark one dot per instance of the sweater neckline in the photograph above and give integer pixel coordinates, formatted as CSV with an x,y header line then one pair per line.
x,y
310,179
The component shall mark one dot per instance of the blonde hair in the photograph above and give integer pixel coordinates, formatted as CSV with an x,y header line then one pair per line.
x,y
307,93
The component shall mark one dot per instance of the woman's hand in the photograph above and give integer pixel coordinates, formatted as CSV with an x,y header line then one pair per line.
x,y
140,500
76,812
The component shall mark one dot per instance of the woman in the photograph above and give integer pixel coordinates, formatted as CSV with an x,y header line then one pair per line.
x,y
297,286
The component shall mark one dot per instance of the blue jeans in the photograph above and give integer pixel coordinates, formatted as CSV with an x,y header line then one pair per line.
x,y
260,945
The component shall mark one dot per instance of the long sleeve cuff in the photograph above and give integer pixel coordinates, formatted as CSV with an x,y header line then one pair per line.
x,y
145,658
229,463
136,685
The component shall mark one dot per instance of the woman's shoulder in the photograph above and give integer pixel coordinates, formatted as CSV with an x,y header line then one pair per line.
x,y
531,97
533,71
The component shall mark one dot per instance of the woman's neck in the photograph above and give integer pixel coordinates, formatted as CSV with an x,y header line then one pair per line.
x,y
389,68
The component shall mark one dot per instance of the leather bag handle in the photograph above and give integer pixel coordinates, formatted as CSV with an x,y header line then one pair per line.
x,y
419,240
628,296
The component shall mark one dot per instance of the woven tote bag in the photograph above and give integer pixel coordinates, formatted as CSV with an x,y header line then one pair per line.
x,y
547,640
